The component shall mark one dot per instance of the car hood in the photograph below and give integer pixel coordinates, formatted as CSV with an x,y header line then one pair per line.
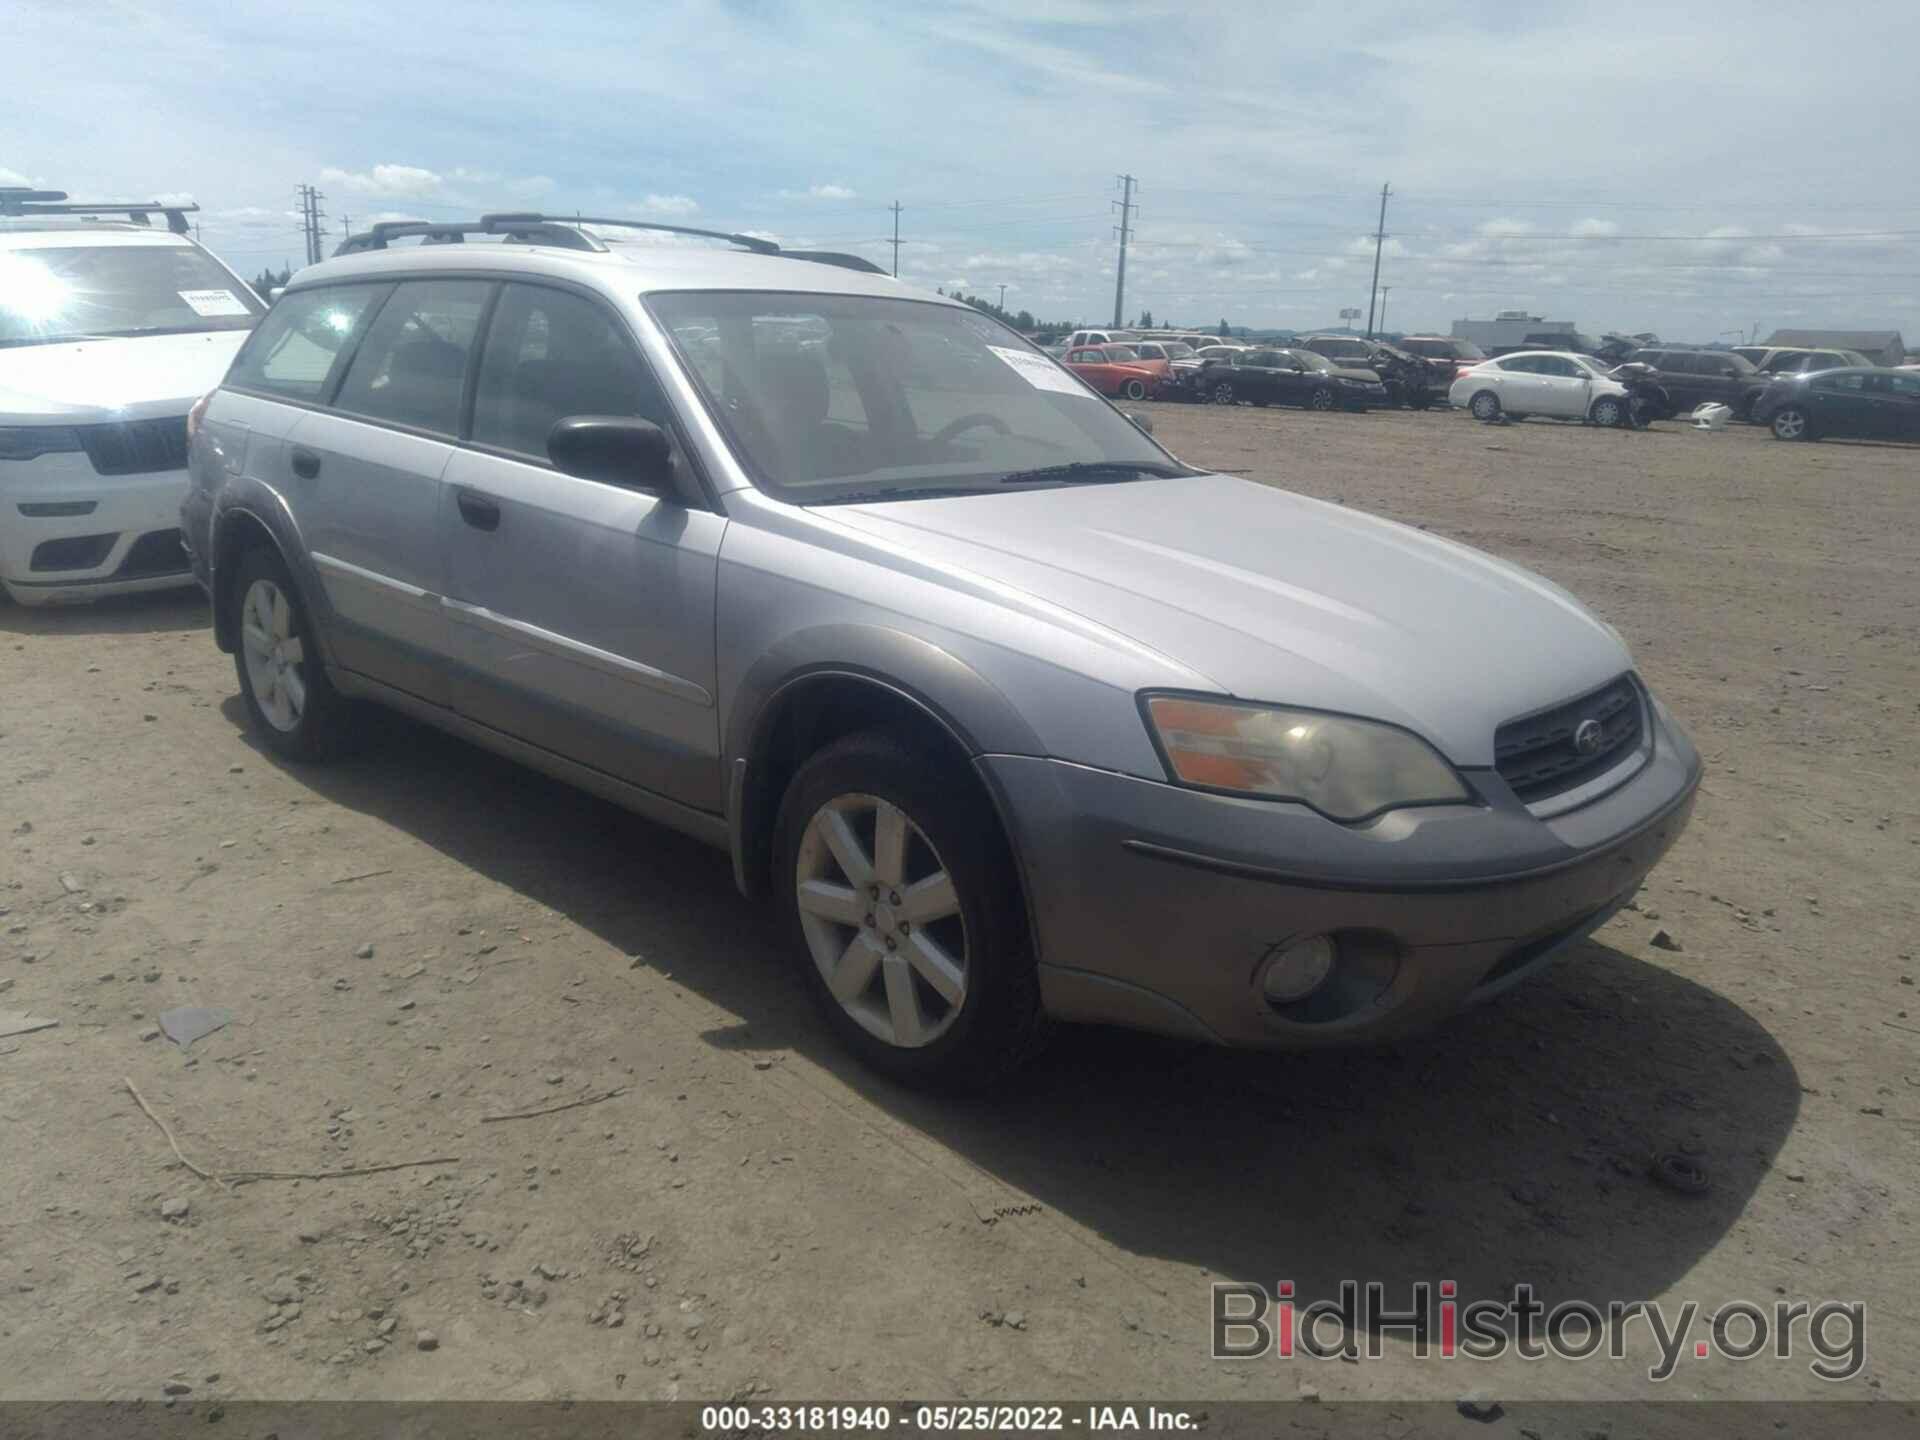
x,y
96,380
1276,597
1355,372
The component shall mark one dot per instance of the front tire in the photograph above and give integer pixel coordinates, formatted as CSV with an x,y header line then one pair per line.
x,y
1322,399
1485,407
1222,393
1135,390
291,705
907,914
1790,422
1607,411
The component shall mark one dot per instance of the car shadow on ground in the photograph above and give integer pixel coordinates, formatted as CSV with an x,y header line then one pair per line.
x,y
1514,1144
159,612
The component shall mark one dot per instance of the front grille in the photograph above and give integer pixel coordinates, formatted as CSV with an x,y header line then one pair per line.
x,y
137,447
1538,756
158,552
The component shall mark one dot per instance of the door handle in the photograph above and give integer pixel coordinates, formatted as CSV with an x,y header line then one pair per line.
x,y
479,511
306,464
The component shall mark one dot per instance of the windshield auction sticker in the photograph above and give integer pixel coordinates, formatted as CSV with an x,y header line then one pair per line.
x,y
1040,372
210,303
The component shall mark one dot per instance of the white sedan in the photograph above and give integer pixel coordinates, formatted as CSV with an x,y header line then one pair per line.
x,y
1540,382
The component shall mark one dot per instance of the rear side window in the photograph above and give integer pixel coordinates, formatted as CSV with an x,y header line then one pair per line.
x,y
295,348
551,354
412,367
1851,382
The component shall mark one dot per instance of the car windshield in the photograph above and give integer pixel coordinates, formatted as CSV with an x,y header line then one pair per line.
x,y
87,292
837,398
1122,352
1176,351
1311,359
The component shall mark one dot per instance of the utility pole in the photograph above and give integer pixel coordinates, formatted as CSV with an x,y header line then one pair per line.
x,y
1003,298
310,217
1385,290
1127,207
346,227
1379,237
896,239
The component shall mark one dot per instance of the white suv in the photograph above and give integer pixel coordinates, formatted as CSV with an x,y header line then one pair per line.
x,y
109,330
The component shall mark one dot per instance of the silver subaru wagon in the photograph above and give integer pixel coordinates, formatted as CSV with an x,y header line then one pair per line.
x,y
1014,715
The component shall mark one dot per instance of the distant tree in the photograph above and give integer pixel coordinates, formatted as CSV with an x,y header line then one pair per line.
x,y
1226,330
266,282
1146,319
1024,320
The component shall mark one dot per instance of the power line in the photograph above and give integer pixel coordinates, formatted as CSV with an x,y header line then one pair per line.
x,y
1127,207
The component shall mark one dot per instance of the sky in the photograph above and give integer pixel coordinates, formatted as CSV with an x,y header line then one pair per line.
x,y
1695,170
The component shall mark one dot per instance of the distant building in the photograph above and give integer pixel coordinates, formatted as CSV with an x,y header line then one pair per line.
x,y
1509,329
1883,347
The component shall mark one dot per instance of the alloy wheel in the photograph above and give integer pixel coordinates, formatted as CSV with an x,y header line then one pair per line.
x,y
882,921
1790,425
1223,393
275,658
1322,400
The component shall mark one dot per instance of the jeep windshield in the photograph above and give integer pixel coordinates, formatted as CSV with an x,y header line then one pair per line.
x,y
110,292
832,399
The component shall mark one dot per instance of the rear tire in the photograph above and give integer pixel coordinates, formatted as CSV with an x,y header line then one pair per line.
x,y
291,704
941,991
1485,407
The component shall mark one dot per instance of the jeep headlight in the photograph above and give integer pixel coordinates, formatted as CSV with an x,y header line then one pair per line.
x,y
1345,768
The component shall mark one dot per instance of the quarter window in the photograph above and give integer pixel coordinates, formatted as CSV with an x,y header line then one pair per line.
x,y
295,348
412,367
551,354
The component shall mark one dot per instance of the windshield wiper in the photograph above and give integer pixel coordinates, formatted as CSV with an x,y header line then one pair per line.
x,y
896,492
1091,470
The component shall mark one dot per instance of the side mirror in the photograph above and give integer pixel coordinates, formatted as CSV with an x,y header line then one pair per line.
x,y
1145,422
615,450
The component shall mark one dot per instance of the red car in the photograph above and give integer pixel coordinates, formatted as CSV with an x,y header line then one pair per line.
x,y
1117,370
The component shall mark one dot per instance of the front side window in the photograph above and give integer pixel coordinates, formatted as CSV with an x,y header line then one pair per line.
x,y
62,293
822,402
412,367
551,354
1907,387
294,350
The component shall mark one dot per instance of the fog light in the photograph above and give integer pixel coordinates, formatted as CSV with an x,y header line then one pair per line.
x,y
1299,970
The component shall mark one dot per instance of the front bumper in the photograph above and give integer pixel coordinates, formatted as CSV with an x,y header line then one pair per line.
x,y
68,534
1158,907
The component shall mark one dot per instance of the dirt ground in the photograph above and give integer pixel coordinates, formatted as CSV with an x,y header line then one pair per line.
x,y
424,937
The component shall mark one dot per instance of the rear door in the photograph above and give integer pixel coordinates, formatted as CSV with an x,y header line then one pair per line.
x,y
1903,404
364,482
581,613
1520,385
1841,403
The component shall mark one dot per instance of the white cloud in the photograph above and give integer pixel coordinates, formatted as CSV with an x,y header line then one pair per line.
x,y
831,190
1596,228
667,206
14,177
400,182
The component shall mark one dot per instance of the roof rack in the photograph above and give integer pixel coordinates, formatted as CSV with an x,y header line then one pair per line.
x,y
17,200
566,232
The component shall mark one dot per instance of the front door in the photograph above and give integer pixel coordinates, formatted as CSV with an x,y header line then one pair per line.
x,y
581,613
363,479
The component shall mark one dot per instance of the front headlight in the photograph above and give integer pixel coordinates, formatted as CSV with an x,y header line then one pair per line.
x,y
1345,768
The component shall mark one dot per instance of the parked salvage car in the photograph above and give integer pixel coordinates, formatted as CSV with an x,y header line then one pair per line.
x,y
1289,377
1447,357
1697,377
1014,716
110,328
1798,360
1541,382
1408,379
1114,370
1860,402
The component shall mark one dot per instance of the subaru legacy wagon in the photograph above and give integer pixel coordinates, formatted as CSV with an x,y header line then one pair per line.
x,y
1015,716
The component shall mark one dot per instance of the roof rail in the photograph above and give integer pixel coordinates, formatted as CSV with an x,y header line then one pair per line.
x,y
17,200
566,232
